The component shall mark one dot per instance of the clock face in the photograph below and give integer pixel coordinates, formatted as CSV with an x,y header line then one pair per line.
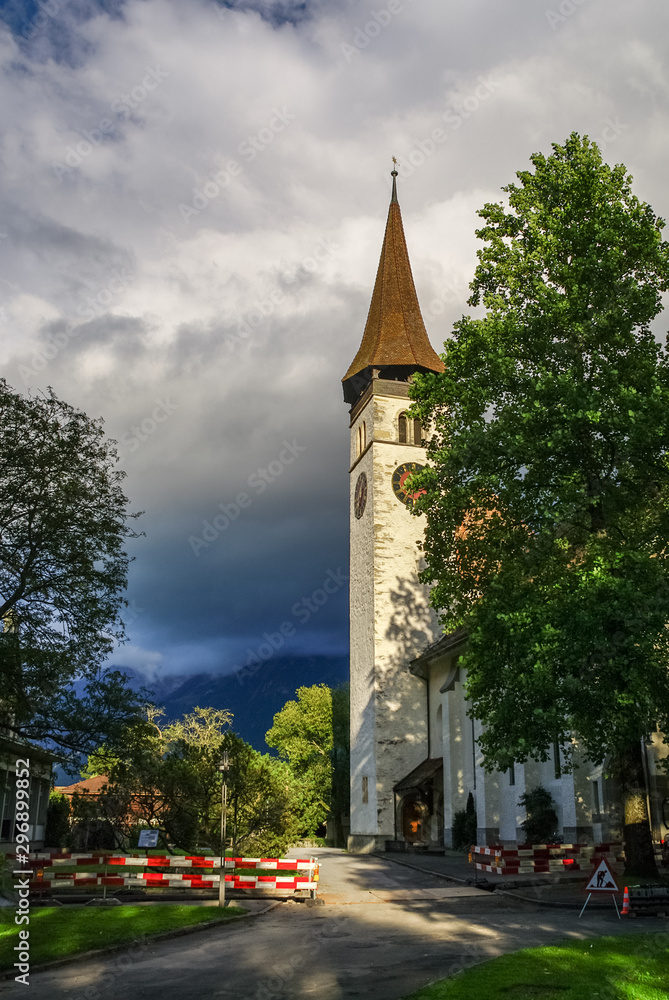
x,y
360,496
400,476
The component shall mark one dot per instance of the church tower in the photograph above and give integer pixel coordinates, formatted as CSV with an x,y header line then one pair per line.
x,y
390,618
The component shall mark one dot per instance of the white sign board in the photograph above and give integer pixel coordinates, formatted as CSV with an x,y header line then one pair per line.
x,y
602,880
148,838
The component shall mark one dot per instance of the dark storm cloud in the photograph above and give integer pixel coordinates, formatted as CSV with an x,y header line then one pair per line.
x,y
277,12
208,254
70,263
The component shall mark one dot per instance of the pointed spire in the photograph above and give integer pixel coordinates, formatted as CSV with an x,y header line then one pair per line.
x,y
393,174
395,335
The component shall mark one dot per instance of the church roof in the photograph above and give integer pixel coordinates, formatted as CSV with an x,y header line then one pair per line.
x,y
395,332
443,644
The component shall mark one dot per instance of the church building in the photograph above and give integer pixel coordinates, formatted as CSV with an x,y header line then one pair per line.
x,y
414,755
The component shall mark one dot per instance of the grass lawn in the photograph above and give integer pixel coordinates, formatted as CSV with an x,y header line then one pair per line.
x,y
59,931
630,967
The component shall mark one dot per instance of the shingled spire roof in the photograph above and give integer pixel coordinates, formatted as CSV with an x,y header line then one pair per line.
x,y
395,336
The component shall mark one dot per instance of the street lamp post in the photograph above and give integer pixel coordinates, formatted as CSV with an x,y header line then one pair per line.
x,y
223,768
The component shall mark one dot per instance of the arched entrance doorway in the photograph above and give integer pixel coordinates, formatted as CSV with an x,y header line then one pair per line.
x,y
413,815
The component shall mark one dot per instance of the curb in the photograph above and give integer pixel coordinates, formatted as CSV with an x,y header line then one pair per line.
x,y
511,893
417,868
554,903
112,949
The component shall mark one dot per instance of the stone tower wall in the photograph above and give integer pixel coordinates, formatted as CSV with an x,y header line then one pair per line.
x,y
391,621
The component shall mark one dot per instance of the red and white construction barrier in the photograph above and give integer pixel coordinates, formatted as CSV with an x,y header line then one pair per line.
x,y
531,859
64,880
48,858
45,865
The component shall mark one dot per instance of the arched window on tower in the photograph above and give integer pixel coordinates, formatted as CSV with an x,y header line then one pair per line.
x,y
417,432
362,437
402,428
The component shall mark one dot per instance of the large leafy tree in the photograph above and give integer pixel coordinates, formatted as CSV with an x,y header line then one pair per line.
x,y
311,734
167,775
341,761
547,500
265,802
63,571
132,796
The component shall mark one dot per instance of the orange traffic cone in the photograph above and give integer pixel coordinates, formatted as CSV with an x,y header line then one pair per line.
x,y
626,903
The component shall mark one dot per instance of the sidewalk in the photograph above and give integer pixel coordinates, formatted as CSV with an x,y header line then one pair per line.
x,y
541,890
354,879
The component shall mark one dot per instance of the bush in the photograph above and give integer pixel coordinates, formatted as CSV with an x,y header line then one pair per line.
x,y
93,835
57,830
540,827
464,826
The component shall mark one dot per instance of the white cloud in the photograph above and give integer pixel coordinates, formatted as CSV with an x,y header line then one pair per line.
x,y
145,662
150,304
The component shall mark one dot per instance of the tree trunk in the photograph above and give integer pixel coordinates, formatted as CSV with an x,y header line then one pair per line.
x,y
639,853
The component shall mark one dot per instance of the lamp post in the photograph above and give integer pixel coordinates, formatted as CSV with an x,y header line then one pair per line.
x,y
223,768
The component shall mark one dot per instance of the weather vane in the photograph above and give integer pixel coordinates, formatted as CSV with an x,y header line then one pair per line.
x,y
395,163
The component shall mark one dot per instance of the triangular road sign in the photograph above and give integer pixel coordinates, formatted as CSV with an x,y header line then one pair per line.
x,y
602,880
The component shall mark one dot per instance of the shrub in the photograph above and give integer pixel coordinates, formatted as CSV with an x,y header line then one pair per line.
x,y
57,830
464,826
540,827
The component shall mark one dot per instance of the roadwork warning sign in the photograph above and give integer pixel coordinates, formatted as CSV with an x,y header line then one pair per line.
x,y
602,880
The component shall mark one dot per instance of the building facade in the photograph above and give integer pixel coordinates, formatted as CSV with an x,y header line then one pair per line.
x,y
414,755
34,765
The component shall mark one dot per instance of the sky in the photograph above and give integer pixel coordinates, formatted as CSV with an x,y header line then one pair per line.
x,y
192,204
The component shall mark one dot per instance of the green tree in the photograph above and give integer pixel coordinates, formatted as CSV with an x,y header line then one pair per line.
x,y
311,733
190,779
264,797
91,827
547,497
63,570
168,776
136,777
465,826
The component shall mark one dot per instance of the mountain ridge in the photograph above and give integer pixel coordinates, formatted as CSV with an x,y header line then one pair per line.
x,y
254,699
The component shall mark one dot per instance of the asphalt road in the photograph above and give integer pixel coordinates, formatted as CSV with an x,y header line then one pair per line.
x,y
385,931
